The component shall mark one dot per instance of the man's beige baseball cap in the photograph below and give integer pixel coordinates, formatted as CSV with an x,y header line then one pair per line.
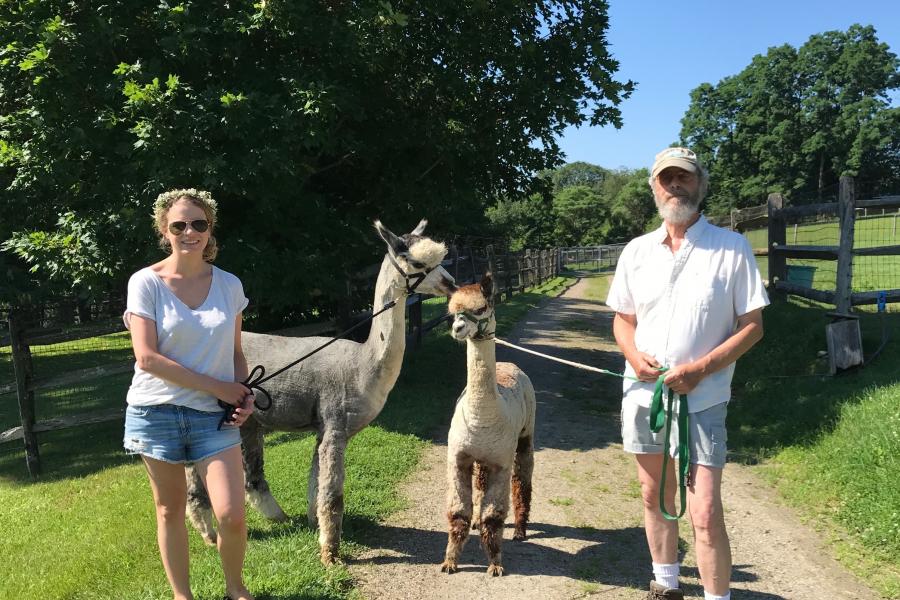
x,y
676,157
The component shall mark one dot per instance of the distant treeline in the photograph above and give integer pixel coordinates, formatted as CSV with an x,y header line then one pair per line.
x,y
795,120
581,204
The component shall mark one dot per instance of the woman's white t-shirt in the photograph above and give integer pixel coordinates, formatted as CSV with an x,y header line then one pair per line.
x,y
200,339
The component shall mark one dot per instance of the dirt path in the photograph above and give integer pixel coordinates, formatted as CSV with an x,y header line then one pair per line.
x,y
586,537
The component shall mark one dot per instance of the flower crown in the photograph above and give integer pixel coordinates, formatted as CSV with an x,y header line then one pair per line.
x,y
166,198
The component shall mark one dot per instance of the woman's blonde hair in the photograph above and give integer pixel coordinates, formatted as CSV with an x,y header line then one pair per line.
x,y
199,198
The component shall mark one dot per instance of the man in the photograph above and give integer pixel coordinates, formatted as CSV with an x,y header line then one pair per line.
x,y
688,297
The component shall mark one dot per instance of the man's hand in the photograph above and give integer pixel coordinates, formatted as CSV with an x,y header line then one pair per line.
x,y
683,378
646,368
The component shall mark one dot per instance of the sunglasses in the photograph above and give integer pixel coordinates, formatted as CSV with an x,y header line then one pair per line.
x,y
178,227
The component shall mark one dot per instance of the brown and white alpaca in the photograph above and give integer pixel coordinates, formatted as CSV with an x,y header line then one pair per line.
x,y
491,436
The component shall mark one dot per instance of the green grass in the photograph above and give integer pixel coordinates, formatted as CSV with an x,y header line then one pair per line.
x,y
86,529
831,445
598,287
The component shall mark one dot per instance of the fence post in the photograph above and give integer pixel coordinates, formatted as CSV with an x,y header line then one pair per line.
x,y
847,214
542,255
492,269
777,238
415,323
508,268
531,270
21,355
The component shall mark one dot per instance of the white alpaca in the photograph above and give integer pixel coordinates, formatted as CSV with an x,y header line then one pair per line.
x,y
491,437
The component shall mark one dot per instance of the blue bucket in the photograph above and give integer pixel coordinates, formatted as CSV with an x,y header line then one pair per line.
x,y
801,275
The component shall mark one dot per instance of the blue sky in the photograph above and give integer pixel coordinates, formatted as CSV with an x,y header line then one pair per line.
x,y
669,48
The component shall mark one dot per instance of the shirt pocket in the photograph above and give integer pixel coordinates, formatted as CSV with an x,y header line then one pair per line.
x,y
704,293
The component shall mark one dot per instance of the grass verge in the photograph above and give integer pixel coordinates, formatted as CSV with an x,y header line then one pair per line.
x,y
86,529
830,445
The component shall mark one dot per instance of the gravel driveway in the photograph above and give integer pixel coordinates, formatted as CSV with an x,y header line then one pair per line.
x,y
586,537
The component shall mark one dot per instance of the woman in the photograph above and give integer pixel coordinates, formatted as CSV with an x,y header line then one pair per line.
x,y
185,320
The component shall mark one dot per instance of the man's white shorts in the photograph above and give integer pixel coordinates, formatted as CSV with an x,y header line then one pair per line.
x,y
708,435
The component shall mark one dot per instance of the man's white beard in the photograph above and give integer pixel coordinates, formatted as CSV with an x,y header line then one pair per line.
x,y
679,212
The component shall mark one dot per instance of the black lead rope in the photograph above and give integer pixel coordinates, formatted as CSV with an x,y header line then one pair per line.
x,y
258,376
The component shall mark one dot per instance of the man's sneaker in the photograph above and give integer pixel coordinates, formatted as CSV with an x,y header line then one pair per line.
x,y
661,592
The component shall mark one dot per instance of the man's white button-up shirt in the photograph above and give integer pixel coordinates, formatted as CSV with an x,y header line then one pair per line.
x,y
686,303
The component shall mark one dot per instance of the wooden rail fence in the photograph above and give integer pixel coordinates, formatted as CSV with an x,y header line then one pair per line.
x,y
513,272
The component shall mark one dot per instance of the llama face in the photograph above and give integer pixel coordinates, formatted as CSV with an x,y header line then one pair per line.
x,y
415,253
473,311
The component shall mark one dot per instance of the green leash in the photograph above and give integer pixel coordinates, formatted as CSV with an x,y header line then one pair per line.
x,y
658,418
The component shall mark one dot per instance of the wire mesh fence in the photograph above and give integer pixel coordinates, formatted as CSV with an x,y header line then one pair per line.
x,y
591,258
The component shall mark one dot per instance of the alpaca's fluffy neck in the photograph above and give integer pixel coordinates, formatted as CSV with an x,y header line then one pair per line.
x,y
387,339
482,400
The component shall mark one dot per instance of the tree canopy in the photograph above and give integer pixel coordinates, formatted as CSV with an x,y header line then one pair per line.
x,y
306,120
795,120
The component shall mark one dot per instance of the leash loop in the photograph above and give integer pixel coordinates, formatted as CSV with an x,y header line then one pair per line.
x,y
251,383
660,418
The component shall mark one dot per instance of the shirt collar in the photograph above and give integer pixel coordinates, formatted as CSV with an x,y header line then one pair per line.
x,y
692,234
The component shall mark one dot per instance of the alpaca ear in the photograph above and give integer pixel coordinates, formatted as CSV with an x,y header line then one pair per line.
x,y
420,228
396,244
487,287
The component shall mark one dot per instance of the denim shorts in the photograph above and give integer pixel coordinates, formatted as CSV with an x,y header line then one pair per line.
x,y
708,435
176,434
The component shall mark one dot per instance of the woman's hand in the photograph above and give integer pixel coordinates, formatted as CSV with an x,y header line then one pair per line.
x,y
231,392
243,412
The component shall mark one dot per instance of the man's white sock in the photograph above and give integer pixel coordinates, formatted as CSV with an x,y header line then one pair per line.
x,y
666,575
708,596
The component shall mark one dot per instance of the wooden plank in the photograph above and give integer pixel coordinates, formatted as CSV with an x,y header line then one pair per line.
x,y
508,268
878,251
815,252
434,323
754,223
65,423
824,296
777,237
881,202
760,252
73,377
21,355
858,298
844,277
844,344
808,210
36,338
